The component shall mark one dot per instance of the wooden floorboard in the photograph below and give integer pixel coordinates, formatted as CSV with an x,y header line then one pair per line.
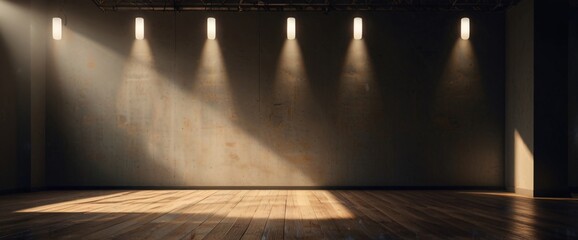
x,y
284,214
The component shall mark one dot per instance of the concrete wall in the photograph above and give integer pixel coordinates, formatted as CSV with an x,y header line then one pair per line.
x,y
519,133
10,174
573,96
40,30
22,59
410,105
15,84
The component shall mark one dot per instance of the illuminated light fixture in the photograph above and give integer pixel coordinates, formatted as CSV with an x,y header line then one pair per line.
x,y
357,28
465,28
57,28
290,28
211,28
139,28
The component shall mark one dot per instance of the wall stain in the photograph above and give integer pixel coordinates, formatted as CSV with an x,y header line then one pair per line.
x,y
234,156
91,64
121,119
187,124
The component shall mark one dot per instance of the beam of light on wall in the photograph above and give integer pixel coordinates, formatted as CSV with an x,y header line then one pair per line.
x,y
290,68
291,33
357,69
359,95
139,28
357,28
296,119
56,28
290,92
211,79
136,105
211,28
465,28
459,87
461,77
14,16
523,166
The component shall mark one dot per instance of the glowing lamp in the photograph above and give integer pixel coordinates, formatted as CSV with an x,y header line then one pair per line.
x,y
465,29
211,28
290,28
57,28
139,28
357,28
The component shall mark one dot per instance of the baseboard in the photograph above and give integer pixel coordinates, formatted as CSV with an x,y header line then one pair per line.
x,y
525,192
454,188
520,191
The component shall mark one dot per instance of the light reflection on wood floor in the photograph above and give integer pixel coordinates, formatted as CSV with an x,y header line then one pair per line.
x,y
284,214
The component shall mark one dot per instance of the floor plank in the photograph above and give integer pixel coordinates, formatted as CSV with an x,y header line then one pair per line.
x,y
257,226
284,214
274,229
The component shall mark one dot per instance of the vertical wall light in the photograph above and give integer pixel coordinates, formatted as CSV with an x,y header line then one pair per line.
x,y
357,28
57,28
139,28
211,28
290,28
465,28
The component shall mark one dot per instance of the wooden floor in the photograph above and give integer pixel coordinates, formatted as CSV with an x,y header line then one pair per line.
x,y
284,214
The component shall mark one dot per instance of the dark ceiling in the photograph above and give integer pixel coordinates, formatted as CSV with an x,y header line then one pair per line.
x,y
304,5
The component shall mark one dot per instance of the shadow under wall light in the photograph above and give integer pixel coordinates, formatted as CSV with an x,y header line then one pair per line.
x,y
211,28
57,28
465,28
139,28
357,28
290,28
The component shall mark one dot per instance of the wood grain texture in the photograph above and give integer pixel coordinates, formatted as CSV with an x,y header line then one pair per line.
x,y
284,214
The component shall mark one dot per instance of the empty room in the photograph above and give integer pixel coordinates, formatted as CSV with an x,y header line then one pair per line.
x,y
288,119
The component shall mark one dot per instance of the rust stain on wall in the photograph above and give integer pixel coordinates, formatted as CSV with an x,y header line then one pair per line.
x,y
187,126
234,156
91,64
121,120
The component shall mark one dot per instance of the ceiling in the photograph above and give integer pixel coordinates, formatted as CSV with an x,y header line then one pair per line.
x,y
304,5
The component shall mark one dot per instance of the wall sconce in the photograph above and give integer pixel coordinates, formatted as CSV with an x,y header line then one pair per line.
x,y
465,28
139,28
290,28
57,28
211,28
357,28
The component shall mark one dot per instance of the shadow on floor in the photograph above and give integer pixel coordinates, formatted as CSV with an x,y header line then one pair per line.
x,y
277,214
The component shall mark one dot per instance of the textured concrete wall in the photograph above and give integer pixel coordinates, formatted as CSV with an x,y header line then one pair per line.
x,y
573,96
410,105
8,112
23,32
520,98
14,94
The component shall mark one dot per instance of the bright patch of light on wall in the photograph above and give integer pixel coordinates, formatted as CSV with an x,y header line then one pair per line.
x,y
357,28
57,28
290,28
211,28
139,28
465,28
